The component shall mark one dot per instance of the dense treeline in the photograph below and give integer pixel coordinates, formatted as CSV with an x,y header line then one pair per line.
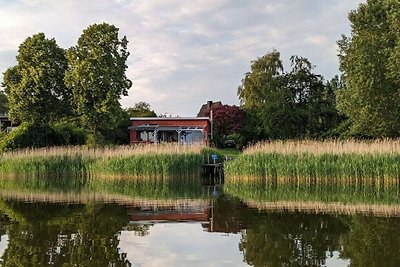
x,y
68,97
73,94
361,103
287,105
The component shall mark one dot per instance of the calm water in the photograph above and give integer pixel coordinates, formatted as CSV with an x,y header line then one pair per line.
x,y
188,224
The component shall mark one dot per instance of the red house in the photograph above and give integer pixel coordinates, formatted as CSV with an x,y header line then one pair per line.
x,y
181,130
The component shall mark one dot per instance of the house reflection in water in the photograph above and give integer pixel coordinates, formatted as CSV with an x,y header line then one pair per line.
x,y
214,215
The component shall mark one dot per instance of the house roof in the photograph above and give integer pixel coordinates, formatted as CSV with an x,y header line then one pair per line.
x,y
206,107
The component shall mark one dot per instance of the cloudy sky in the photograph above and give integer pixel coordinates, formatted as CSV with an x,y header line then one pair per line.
x,y
185,52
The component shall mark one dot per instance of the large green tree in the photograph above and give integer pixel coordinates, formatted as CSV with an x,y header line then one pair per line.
x,y
370,62
96,75
35,86
261,80
282,105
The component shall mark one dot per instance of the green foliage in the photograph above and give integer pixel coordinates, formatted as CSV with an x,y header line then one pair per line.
x,y
118,133
96,75
260,80
69,132
281,105
35,86
30,135
49,84
3,103
141,109
42,135
370,61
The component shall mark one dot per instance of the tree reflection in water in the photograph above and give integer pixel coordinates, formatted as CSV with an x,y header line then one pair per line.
x,y
42,234
279,239
64,235
282,238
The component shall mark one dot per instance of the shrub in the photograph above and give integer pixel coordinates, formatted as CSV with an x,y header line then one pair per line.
x,y
70,133
42,135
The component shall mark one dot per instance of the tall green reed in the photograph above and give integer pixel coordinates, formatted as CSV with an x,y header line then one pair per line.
x,y
150,160
358,166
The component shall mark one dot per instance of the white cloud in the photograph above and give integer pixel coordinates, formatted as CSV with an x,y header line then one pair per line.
x,y
318,40
184,53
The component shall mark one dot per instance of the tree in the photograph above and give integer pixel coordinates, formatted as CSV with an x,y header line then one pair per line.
x,y
141,109
35,86
3,103
96,75
261,80
227,123
282,105
370,60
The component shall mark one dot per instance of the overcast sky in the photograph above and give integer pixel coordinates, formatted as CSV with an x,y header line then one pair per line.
x,y
185,52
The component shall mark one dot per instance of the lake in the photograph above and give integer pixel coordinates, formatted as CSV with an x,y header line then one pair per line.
x,y
192,222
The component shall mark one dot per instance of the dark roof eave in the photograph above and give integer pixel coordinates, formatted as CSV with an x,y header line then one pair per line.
x,y
168,119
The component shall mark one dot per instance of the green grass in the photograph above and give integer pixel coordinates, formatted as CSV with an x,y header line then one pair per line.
x,y
223,154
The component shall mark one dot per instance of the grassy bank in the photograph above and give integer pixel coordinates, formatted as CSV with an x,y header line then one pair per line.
x,y
147,160
312,159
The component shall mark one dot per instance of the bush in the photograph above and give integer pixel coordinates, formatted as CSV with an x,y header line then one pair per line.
x,y
42,135
70,133
95,140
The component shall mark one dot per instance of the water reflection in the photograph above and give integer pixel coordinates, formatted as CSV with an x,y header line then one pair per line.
x,y
42,234
172,222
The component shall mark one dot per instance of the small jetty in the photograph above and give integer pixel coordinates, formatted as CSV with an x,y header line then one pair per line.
x,y
213,169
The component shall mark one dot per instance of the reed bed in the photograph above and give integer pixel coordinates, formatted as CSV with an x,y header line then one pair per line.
x,y
327,208
154,160
188,187
383,146
90,197
335,159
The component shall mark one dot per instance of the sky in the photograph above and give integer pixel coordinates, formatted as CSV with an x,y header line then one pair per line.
x,y
186,52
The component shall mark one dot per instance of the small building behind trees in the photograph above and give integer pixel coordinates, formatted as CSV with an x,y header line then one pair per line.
x,y
5,123
205,109
187,130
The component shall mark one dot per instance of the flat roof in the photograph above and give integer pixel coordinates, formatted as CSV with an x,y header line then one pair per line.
x,y
165,128
168,118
